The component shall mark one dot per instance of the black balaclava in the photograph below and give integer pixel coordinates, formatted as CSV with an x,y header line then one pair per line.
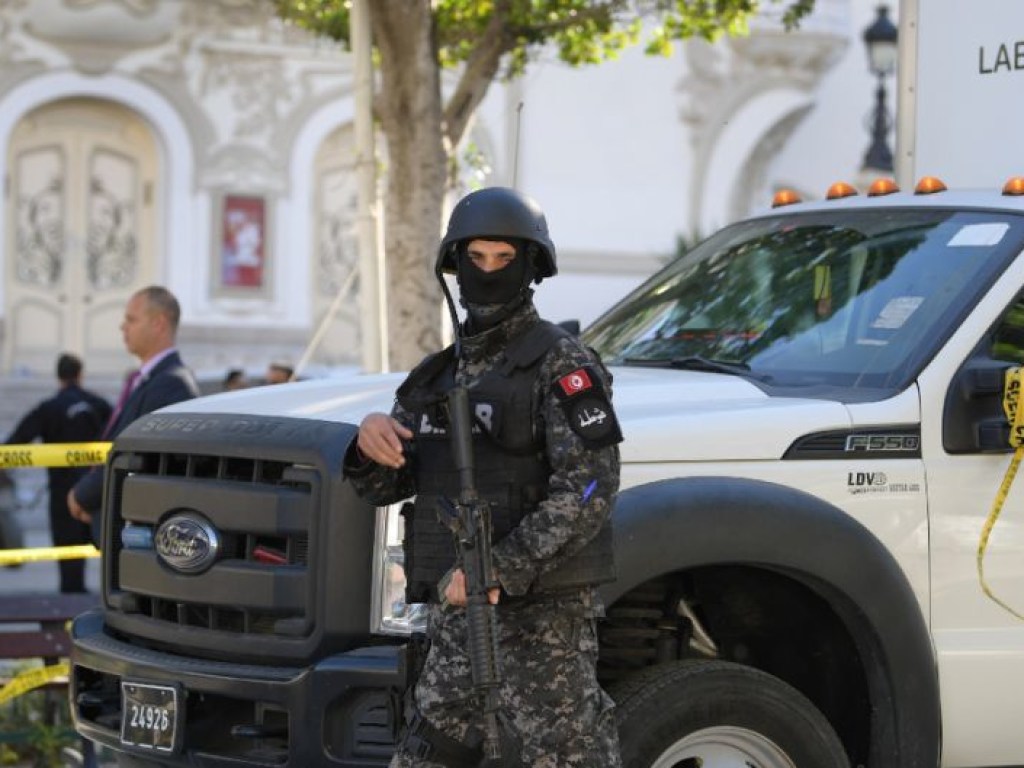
x,y
490,297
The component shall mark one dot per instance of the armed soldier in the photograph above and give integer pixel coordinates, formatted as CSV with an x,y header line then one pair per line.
x,y
545,440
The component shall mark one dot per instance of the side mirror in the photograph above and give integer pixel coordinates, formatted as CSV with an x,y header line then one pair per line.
x,y
973,420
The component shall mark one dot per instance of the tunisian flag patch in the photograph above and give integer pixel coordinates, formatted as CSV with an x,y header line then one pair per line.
x,y
583,400
575,382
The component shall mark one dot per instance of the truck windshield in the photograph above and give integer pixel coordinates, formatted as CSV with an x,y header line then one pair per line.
x,y
856,299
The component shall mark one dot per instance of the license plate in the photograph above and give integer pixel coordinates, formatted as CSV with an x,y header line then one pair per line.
x,y
150,716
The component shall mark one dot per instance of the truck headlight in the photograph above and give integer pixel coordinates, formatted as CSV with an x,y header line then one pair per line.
x,y
390,615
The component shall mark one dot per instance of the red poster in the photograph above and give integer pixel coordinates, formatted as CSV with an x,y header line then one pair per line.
x,y
243,242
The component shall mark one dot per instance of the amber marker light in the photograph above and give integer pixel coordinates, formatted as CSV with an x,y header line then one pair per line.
x,y
1014,186
839,190
929,185
785,197
880,187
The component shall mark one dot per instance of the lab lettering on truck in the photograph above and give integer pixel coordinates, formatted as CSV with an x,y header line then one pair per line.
x,y
1005,57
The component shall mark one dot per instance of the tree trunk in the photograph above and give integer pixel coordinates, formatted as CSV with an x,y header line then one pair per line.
x,y
409,107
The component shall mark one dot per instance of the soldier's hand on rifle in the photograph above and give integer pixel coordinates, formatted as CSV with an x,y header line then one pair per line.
x,y
380,439
455,592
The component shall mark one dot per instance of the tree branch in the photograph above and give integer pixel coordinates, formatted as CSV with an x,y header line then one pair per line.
x,y
479,72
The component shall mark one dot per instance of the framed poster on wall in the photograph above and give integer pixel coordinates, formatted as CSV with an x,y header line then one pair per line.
x,y
242,243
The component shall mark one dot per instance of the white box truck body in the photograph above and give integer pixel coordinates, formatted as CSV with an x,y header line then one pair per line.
x,y
961,83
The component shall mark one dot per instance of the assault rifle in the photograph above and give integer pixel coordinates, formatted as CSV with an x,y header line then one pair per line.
x,y
469,519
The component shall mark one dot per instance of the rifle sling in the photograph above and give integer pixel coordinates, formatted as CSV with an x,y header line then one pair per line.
x,y
425,741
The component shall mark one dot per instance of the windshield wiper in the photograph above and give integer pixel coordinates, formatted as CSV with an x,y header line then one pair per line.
x,y
698,363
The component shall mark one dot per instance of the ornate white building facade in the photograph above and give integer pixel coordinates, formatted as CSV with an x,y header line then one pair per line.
x,y
203,145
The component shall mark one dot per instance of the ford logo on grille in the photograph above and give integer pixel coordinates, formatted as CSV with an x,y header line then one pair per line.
x,y
187,543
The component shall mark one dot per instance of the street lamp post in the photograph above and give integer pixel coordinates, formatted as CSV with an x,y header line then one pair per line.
x,y
880,39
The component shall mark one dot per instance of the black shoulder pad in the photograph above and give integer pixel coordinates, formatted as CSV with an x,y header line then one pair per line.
x,y
531,346
424,373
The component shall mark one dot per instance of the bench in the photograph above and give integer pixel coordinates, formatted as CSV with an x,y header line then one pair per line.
x,y
33,626
50,613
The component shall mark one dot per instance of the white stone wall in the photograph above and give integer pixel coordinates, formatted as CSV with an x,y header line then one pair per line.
x,y
624,157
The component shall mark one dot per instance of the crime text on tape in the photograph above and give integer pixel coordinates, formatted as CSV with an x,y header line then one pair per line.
x,y
53,455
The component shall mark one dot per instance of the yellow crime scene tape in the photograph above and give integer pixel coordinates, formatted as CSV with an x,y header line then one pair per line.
x,y
32,679
51,455
1013,407
46,455
38,554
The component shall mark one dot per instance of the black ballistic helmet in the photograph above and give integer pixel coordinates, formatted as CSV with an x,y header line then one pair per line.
x,y
497,213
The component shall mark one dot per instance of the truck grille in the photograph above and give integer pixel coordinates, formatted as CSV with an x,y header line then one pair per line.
x,y
261,511
245,583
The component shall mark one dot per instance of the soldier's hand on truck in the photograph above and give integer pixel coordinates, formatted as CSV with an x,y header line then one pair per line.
x,y
380,439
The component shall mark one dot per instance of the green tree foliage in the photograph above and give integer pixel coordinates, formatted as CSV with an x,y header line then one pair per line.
x,y
581,31
481,41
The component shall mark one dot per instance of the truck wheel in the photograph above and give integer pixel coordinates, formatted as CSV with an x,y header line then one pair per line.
x,y
717,714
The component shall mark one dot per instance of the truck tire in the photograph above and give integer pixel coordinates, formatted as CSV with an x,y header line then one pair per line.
x,y
718,714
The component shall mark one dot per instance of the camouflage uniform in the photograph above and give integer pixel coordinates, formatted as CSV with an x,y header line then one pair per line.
x,y
553,709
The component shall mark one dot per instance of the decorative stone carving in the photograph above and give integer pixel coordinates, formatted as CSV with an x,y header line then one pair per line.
x,y
239,167
239,76
13,5
40,217
12,50
726,76
111,244
337,245
722,76
241,19
759,187
257,87
138,7
124,25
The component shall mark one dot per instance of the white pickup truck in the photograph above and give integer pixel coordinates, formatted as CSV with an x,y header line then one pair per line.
x,y
814,439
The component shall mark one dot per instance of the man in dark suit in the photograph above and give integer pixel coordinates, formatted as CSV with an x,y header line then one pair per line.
x,y
150,327
73,415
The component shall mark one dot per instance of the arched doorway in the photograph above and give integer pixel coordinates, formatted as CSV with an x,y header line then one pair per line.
x,y
81,213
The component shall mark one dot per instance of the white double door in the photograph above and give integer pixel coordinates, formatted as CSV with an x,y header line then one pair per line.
x,y
81,232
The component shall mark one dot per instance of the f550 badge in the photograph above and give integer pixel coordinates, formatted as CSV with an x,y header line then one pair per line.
x,y
898,443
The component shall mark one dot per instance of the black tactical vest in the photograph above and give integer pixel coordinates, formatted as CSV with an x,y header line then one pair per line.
x,y
511,466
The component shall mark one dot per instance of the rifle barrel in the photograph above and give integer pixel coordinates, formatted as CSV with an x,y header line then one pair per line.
x,y
461,425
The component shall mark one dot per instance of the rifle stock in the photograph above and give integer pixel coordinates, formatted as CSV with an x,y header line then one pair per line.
x,y
470,522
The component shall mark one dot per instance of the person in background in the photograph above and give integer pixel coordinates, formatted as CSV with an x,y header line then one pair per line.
x,y
149,329
546,447
234,379
72,415
279,373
